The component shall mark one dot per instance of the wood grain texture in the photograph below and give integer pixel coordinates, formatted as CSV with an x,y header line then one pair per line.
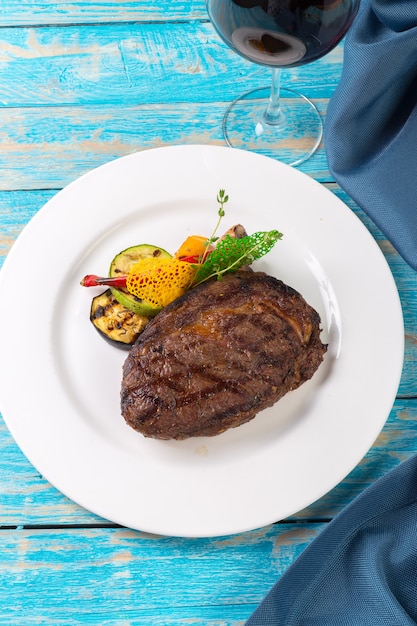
x,y
88,95
78,139
146,63
38,12
117,576
82,83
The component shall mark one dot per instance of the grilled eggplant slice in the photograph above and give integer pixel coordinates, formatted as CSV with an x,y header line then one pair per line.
x,y
117,324
121,265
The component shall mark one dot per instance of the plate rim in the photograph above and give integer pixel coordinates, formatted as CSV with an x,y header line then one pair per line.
x,y
192,151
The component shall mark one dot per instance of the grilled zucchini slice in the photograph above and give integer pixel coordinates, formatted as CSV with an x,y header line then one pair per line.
x,y
117,324
121,265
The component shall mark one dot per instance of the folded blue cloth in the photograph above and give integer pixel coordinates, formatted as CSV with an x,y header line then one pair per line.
x,y
361,570
371,123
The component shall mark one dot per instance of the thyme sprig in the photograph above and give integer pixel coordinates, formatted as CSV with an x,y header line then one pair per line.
x,y
222,198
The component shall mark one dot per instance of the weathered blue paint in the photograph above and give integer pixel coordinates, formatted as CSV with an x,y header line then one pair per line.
x,y
83,83
64,12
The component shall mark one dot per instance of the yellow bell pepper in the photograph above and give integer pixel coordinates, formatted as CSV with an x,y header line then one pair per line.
x,y
192,249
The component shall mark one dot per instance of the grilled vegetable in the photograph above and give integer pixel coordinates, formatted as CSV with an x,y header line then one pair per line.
x,y
121,265
193,249
119,325
144,279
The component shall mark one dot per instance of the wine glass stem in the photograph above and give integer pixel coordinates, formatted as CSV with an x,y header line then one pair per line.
x,y
273,113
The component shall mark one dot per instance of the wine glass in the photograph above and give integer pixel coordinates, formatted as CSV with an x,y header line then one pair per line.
x,y
279,34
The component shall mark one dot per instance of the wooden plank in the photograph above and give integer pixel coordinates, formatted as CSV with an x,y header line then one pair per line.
x,y
27,498
99,105
66,142
133,64
109,576
38,12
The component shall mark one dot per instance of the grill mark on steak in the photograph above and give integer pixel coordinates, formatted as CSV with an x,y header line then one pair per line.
x,y
218,355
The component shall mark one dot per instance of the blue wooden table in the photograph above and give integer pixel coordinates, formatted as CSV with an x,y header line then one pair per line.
x,y
81,83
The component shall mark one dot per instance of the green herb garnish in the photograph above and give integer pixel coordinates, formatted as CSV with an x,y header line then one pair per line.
x,y
232,254
222,198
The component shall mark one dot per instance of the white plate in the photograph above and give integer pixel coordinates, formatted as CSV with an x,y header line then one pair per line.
x,y
59,388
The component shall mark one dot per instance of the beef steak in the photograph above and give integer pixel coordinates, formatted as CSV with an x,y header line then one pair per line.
x,y
218,355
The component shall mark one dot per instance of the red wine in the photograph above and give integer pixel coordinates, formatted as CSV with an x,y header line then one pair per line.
x,y
282,33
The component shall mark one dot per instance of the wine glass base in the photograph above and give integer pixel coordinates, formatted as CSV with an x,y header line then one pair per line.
x,y
292,139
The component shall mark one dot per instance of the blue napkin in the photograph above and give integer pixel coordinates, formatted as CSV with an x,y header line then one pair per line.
x,y
371,124
361,570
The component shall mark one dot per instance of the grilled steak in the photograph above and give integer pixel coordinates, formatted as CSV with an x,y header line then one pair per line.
x,y
218,355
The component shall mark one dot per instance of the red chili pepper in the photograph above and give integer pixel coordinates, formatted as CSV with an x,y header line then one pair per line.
x,y
91,280
190,259
196,258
